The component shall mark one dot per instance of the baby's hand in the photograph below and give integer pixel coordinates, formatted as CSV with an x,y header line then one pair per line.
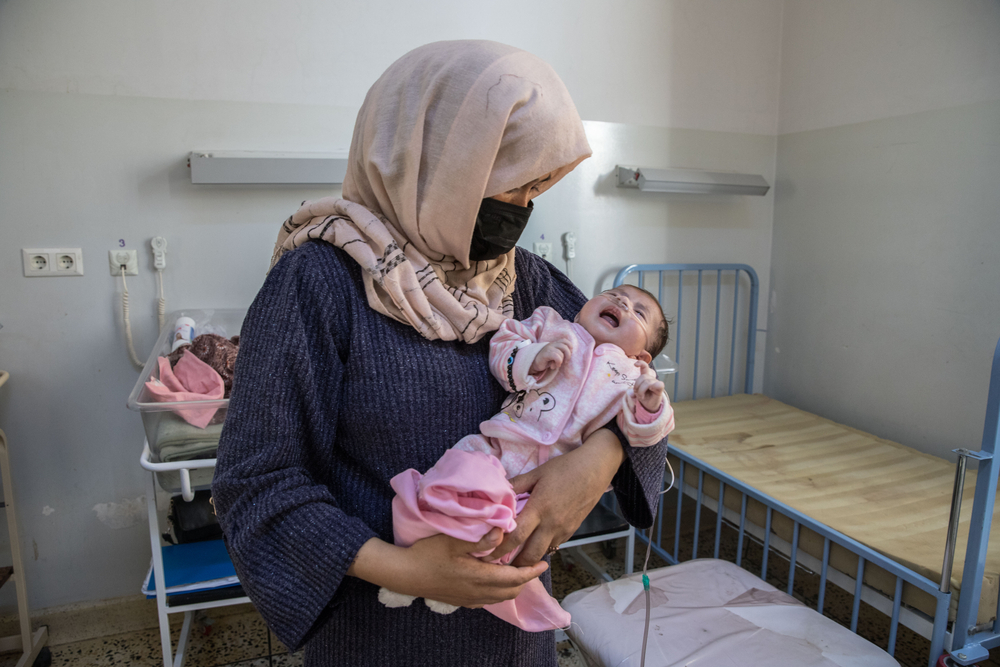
x,y
550,357
648,390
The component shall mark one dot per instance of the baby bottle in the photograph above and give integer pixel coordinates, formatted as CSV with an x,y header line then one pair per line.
x,y
183,333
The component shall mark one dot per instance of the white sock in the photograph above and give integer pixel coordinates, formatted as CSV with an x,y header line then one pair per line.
x,y
440,607
391,599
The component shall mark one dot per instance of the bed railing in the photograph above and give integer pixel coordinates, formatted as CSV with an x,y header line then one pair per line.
x,y
771,545
732,291
971,642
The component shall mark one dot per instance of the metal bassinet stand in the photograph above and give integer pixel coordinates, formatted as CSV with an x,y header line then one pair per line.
x,y
30,645
603,524
164,607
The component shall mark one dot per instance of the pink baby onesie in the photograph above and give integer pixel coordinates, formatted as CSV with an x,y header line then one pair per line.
x,y
553,414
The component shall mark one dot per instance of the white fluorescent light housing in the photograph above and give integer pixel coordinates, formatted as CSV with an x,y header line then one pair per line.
x,y
692,181
264,168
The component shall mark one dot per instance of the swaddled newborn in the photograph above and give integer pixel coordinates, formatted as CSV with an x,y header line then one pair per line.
x,y
216,351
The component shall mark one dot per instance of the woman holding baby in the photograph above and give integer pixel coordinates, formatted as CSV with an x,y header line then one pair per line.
x,y
365,353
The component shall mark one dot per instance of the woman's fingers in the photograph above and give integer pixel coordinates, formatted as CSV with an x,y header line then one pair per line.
x,y
527,521
537,545
445,571
504,582
490,541
526,482
548,523
522,575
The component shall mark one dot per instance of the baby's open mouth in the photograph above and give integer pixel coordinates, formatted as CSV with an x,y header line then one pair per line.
x,y
612,316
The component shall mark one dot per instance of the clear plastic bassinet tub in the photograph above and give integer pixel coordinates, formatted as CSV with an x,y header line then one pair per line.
x,y
172,440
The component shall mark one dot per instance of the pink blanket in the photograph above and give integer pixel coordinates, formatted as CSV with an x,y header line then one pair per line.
x,y
191,379
465,495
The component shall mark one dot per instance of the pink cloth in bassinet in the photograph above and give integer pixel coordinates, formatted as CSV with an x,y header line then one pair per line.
x,y
191,379
465,495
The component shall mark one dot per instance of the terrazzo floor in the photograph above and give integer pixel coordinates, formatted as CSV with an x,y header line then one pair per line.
x,y
238,637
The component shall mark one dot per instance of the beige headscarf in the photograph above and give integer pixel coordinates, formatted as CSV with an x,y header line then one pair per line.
x,y
447,125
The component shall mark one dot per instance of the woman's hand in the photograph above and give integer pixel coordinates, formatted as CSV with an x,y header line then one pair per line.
x,y
441,568
563,491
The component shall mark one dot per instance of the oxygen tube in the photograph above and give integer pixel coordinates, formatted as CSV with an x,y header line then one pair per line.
x,y
645,566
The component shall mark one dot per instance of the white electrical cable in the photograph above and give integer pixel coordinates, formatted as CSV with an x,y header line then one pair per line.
x,y
159,246
569,269
161,308
128,325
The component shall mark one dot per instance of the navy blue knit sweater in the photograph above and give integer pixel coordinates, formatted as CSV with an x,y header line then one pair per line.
x,y
330,401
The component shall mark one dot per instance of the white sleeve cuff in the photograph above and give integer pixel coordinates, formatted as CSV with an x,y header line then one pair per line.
x,y
526,353
644,435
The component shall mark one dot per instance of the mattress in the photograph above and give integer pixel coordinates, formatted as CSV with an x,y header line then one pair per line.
x,y
891,498
709,612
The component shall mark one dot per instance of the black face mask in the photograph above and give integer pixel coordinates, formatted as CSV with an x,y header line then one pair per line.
x,y
498,227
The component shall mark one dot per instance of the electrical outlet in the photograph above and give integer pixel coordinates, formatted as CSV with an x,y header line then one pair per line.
x,y
569,245
159,246
52,262
119,257
36,262
69,262
543,250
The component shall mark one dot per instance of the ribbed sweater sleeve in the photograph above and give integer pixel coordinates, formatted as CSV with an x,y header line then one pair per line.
x,y
289,539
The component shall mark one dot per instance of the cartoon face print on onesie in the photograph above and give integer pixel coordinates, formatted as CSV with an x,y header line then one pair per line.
x,y
528,403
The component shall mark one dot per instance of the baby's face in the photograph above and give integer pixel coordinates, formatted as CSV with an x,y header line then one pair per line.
x,y
623,316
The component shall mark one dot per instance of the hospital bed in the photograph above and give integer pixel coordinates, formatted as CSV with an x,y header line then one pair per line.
x,y
894,528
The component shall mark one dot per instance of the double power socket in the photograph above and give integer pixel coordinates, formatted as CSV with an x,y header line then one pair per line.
x,y
51,262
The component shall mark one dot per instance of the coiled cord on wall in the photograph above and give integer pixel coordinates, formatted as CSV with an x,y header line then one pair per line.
x,y
128,325
161,307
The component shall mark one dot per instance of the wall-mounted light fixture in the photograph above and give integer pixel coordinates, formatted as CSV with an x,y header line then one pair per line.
x,y
264,168
691,181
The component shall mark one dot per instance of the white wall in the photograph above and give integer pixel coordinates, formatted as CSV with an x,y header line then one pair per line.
x,y
702,64
101,102
886,237
852,61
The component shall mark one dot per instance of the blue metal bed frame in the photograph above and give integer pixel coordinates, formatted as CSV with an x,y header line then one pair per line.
x,y
965,642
